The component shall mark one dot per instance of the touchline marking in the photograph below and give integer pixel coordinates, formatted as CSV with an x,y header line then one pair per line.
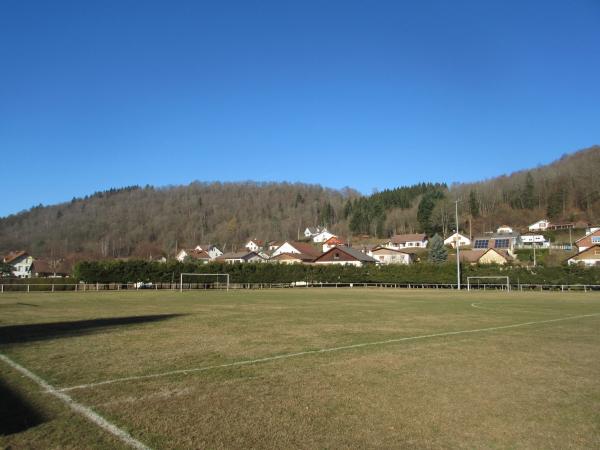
x,y
77,407
313,352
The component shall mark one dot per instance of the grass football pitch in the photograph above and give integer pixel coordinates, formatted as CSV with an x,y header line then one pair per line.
x,y
300,368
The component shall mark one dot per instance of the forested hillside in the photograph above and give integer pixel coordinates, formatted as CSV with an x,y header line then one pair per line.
x,y
148,221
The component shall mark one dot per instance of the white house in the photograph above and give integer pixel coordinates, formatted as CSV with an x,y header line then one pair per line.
x,y
300,248
504,229
384,255
241,257
322,236
462,240
212,250
540,225
592,229
21,263
333,241
311,231
254,245
531,239
399,241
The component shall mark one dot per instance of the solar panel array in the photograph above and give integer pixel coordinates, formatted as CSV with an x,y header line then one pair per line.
x,y
481,243
502,243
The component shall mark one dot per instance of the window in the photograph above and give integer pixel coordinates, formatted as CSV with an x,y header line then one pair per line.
x,y
481,243
595,239
336,255
502,243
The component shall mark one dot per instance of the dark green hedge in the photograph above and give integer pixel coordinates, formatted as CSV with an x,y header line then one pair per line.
x,y
132,271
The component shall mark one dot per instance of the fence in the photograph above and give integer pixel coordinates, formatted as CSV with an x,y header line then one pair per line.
x,y
100,287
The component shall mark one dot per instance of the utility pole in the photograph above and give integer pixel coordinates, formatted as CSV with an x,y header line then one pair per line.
x,y
457,245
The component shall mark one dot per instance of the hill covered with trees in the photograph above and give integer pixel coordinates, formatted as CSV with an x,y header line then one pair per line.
x,y
147,221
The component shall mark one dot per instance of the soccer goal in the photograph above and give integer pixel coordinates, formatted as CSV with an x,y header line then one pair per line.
x,y
502,281
213,278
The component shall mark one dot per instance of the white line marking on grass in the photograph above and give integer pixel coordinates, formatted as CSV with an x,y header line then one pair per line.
x,y
313,352
77,407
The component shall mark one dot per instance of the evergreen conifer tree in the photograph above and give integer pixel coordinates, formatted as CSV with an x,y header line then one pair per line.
x,y
437,252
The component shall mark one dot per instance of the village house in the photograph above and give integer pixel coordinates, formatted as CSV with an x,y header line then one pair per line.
x,y
302,248
195,254
322,236
385,255
50,268
399,241
345,256
504,229
462,240
587,241
254,245
21,263
292,258
503,241
489,256
241,257
534,239
333,241
540,225
590,256
311,231
212,250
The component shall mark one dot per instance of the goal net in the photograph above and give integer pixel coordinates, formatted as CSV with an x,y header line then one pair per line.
x,y
203,281
497,282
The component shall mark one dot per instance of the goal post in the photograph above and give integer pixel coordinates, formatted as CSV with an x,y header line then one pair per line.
x,y
204,275
504,284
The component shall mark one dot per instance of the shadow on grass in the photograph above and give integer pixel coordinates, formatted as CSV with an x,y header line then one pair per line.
x,y
17,334
16,414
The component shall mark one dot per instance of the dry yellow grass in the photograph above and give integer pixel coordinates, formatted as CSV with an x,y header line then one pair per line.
x,y
534,386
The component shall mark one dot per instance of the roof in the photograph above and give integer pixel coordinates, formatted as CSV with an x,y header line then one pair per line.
x,y
583,251
60,267
473,256
239,255
305,248
403,238
12,256
257,242
313,230
387,249
354,253
335,240
595,233
197,254
299,256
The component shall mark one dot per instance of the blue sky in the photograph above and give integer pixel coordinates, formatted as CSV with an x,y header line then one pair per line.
x,y
103,94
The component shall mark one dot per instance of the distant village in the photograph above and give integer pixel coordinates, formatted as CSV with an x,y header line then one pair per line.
x,y
320,246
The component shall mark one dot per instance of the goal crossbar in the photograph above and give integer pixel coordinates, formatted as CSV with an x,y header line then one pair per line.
x,y
226,275
506,278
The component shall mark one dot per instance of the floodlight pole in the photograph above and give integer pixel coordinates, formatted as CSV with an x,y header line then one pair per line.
x,y
457,245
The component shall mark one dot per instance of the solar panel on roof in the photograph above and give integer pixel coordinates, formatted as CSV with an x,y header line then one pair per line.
x,y
481,243
501,243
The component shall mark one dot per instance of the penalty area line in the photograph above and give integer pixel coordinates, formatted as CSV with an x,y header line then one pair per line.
x,y
315,352
83,410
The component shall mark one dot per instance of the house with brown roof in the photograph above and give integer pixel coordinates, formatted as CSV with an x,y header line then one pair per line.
x,y
334,241
587,257
21,263
486,256
193,254
346,256
297,247
51,268
292,258
587,241
413,240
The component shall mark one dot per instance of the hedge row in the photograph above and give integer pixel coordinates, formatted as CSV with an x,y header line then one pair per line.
x,y
133,271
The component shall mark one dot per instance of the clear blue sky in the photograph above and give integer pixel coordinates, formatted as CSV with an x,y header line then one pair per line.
x,y
104,94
